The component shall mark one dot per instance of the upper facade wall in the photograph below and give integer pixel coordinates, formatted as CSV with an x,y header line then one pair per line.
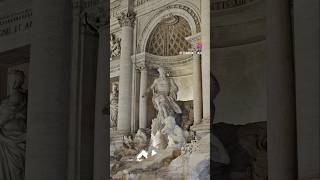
x,y
150,12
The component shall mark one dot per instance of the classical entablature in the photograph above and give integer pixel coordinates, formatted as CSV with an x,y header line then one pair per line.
x,y
220,5
180,65
217,5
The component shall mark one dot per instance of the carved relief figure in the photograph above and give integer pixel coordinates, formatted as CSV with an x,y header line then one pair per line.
x,y
114,98
13,117
115,45
133,145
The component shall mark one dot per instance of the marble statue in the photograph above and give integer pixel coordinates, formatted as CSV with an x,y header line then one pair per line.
x,y
175,135
187,116
13,117
115,45
132,145
114,98
164,100
164,95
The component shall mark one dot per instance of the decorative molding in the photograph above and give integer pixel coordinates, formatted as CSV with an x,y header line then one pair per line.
x,y
189,11
181,10
140,2
219,5
115,45
114,9
114,68
127,18
87,4
180,65
17,16
16,22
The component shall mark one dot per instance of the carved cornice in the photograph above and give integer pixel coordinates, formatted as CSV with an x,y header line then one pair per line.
x,y
219,5
179,65
17,16
140,2
127,18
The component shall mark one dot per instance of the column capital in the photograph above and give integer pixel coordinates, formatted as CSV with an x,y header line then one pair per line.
x,y
140,61
127,18
141,66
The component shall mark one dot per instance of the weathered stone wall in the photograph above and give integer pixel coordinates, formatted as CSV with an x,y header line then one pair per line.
x,y
239,63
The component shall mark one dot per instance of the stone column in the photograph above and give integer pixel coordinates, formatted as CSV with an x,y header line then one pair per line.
x,y
101,126
143,100
280,98
205,58
197,88
306,40
196,79
49,91
126,21
135,99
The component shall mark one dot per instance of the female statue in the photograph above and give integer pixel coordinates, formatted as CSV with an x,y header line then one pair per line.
x,y
13,116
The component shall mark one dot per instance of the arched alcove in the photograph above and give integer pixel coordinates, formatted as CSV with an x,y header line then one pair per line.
x,y
187,12
168,37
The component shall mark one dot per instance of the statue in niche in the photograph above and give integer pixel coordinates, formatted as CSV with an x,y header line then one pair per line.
x,y
164,100
115,45
13,119
164,95
114,98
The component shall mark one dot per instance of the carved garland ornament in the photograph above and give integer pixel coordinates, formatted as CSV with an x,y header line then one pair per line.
x,y
127,18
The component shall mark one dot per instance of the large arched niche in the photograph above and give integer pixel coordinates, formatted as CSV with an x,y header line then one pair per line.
x,y
187,12
168,37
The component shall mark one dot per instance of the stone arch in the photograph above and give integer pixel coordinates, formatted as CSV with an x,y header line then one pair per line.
x,y
168,37
184,11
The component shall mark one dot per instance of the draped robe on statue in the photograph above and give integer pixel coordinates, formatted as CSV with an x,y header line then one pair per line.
x,y
13,112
